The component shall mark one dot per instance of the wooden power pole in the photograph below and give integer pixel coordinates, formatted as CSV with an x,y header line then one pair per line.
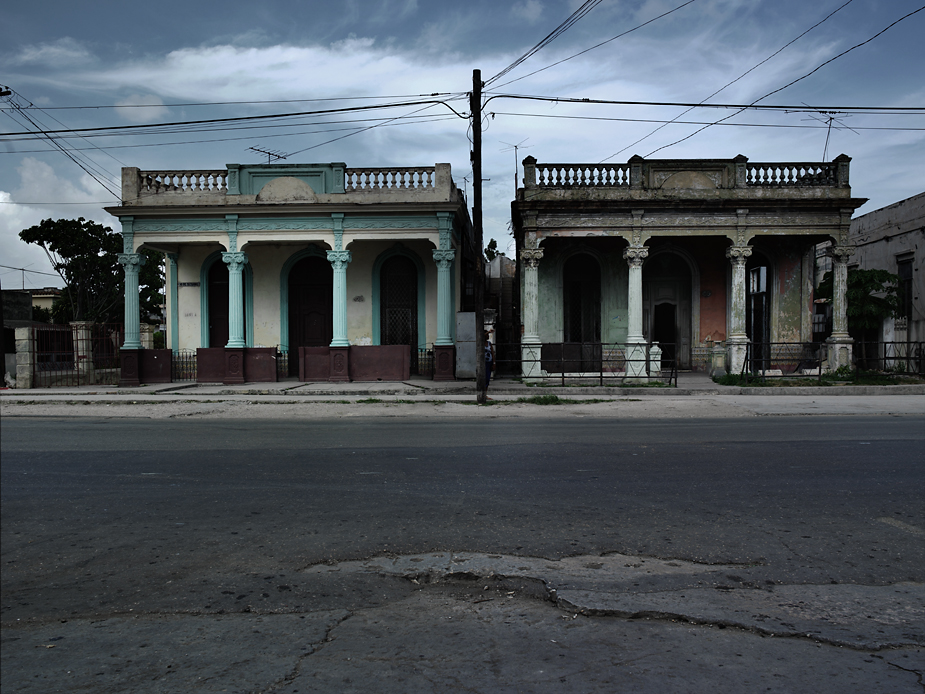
x,y
475,107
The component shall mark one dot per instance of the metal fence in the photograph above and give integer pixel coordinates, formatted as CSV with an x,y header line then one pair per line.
x,y
183,366
614,363
76,355
790,360
422,362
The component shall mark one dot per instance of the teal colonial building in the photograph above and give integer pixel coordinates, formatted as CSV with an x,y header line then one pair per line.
x,y
349,271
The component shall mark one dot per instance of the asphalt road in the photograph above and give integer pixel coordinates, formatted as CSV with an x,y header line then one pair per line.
x,y
106,519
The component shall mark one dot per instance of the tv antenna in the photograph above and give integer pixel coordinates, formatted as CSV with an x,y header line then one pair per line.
x,y
828,118
272,154
519,145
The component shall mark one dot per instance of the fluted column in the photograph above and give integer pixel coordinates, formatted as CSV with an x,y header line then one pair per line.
x,y
840,343
339,261
444,260
530,343
235,262
174,302
737,339
635,351
131,263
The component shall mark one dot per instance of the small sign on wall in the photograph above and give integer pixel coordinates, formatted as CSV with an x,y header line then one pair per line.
x,y
187,284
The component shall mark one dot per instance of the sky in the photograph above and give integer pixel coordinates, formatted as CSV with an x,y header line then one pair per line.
x,y
103,64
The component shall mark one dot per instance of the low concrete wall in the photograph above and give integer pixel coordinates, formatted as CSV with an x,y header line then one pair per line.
x,y
380,363
154,365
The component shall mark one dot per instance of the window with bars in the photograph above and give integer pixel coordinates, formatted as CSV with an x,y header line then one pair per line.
x,y
398,320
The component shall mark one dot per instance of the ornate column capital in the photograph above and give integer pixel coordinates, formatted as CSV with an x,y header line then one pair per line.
x,y
235,260
739,254
531,257
635,255
340,259
842,254
131,261
444,259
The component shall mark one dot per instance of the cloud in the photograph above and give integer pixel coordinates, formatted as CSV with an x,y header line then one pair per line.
x,y
25,207
141,109
61,53
529,11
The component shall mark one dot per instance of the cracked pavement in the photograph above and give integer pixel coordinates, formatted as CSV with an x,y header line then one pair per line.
x,y
401,555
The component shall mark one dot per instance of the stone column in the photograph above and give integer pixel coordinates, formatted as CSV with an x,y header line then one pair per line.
x,y
737,339
131,263
82,334
636,342
340,345
444,349
235,262
530,342
840,343
234,350
173,302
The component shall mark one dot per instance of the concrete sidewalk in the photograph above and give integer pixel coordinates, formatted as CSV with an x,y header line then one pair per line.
x,y
689,384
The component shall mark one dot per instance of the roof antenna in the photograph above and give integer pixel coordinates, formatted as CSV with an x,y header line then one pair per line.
x,y
272,154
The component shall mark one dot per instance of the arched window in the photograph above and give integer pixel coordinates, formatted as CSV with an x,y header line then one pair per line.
x,y
398,302
581,299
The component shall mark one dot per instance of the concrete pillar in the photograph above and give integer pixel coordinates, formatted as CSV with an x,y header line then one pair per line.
x,y
235,262
132,262
339,261
840,344
737,339
25,357
530,343
81,332
636,342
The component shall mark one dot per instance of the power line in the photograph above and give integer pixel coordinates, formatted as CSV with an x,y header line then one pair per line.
x,y
239,119
244,103
570,21
729,84
790,84
628,31
34,272
680,122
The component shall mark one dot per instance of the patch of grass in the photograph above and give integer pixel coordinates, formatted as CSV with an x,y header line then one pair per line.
x,y
650,384
370,401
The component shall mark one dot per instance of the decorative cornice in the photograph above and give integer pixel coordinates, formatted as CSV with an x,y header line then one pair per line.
x,y
340,259
531,257
235,260
635,255
444,258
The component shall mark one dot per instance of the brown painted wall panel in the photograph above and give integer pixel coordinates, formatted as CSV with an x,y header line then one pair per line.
x,y
154,365
314,364
260,364
380,363
210,364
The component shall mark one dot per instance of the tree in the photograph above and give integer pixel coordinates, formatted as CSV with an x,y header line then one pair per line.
x,y
872,296
85,255
491,250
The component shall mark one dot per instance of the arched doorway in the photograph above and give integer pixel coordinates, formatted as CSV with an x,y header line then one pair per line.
x,y
758,307
218,303
398,302
666,303
311,306
581,299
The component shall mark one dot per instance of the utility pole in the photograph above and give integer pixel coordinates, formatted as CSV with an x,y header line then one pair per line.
x,y
475,107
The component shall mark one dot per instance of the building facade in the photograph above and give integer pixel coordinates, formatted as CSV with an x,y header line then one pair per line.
x,y
345,270
700,257
893,239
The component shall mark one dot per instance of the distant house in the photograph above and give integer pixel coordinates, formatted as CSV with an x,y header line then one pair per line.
x,y
707,258
45,297
893,239
351,272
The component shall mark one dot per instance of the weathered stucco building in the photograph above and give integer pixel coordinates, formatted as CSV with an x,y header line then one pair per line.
x,y
701,256
348,270
893,239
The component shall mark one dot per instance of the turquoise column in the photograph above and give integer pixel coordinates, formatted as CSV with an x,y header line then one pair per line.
x,y
339,261
174,302
235,262
131,263
444,260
